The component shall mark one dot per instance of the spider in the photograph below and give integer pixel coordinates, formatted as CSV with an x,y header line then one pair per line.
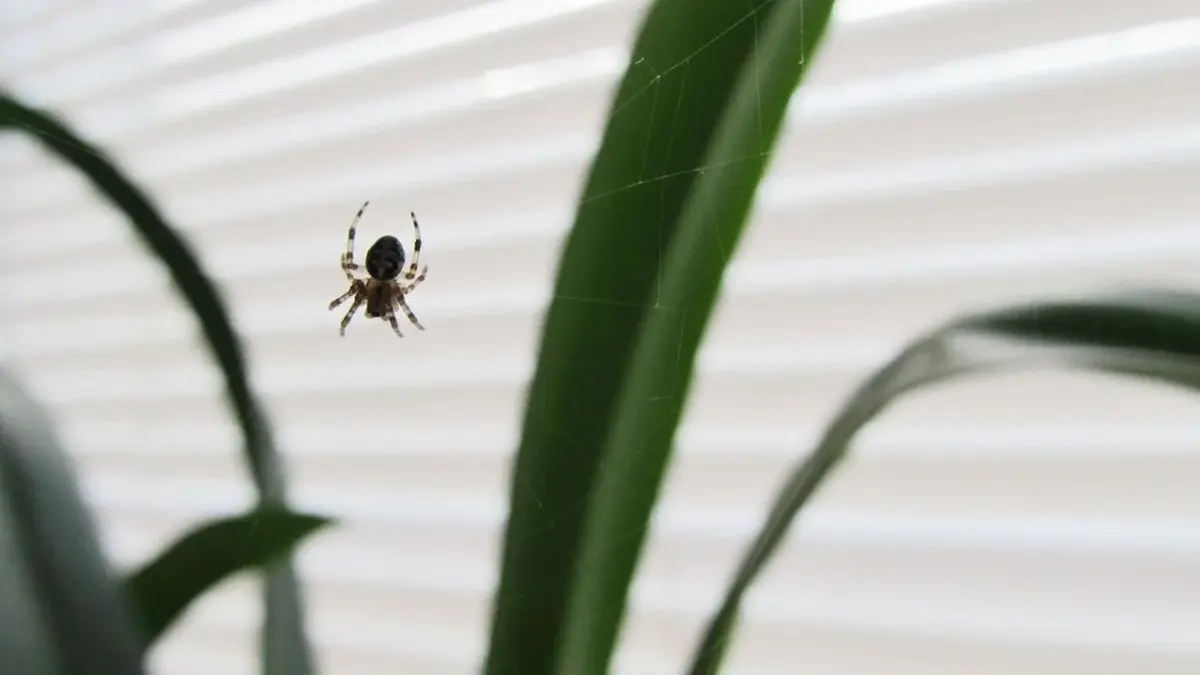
x,y
382,292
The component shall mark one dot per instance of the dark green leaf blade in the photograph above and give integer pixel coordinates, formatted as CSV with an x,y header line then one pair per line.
x,y
655,390
52,551
1153,335
164,587
1139,319
183,266
286,650
27,642
686,65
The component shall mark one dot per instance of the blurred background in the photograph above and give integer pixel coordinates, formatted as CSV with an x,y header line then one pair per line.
x,y
943,155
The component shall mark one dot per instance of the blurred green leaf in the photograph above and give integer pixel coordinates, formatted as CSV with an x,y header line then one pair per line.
x,y
286,649
181,263
687,139
1153,335
61,609
164,587
26,643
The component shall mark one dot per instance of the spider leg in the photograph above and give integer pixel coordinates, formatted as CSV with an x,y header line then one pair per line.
x,y
348,264
408,312
407,288
412,267
350,314
343,297
391,318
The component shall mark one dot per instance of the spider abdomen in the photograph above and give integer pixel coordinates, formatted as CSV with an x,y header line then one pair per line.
x,y
385,258
380,298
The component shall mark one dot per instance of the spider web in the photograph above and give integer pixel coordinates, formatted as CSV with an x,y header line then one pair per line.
x,y
673,79
659,179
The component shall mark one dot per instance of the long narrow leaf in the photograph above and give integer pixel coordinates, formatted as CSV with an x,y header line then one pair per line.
x,y
1153,335
685,66
184,269
163,588
54,572
27,643
283,630
639,443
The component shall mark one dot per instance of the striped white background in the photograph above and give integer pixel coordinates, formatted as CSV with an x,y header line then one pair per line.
x,y
943,155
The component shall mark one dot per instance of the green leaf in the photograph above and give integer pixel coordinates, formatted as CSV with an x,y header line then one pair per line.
x,y
27,643
1153,335
687,139
654,392
184,269
164,587
60,608
286,649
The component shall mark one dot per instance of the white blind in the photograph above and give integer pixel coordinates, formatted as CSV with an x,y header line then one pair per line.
x,y
942,155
